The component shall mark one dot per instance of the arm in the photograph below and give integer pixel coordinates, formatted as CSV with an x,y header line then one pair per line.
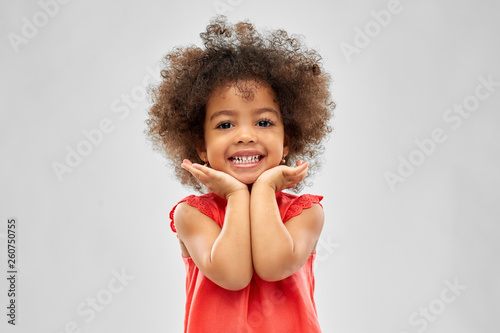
x,y
280,249
222,255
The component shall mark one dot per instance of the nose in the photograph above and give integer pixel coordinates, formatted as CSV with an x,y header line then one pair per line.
x,y
246,134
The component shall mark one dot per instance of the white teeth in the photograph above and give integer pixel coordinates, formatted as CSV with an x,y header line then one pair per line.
x,y
245,159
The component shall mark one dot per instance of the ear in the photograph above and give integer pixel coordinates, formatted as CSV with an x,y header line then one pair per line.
x,y
202,151
285,146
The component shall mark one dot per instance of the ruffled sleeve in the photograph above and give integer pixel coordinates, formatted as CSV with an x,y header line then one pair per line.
x,y
208,204
171,215
291,205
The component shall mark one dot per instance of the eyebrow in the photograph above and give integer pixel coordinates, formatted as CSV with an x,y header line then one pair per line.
x,y
257,111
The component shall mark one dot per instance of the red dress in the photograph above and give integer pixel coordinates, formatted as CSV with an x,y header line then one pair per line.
x,y
264,307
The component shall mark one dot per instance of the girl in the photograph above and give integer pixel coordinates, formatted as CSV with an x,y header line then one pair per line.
x,y
237,117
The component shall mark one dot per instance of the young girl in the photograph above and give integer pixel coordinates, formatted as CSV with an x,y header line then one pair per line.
x,y
237,117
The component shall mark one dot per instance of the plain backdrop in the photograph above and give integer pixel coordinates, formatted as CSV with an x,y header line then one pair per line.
x,y
410,173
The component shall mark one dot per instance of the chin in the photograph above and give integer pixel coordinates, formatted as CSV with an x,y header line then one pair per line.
x,y
247,180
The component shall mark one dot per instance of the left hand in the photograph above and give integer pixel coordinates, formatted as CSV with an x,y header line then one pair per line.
x,y
282,177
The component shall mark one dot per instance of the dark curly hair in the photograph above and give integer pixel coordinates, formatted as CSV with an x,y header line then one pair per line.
x,y
230,55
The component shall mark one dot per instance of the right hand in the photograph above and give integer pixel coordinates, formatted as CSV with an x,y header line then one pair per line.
x,y
218,182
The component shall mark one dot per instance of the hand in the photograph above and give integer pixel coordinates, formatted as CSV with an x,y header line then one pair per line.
x,y
282,177
218,182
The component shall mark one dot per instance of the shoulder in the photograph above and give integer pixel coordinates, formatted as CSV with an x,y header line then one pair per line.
x,y
188,221
291,205
304,220
192,207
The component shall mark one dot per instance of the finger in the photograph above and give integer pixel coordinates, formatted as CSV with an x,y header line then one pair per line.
x,y
195,170
196,173
298,174
200,167
298,169
304,164
185,163
302,175
206,171
190,166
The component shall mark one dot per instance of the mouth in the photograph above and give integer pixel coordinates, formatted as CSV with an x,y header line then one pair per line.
x,y
246,159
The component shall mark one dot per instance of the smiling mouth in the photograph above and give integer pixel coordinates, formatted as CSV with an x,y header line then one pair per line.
x,y
246,159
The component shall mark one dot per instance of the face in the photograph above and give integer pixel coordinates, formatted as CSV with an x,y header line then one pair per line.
x,y
243,137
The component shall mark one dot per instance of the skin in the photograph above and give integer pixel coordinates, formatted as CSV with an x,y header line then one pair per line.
x,y
253,236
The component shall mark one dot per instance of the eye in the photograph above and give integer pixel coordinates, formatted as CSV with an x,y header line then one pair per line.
x,y
264,123
224,125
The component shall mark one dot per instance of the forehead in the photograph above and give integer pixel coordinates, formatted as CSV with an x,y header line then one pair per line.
x,y
242,95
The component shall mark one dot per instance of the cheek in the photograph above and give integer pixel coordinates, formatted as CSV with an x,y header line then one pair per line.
x,y
215,145
216,149
280,141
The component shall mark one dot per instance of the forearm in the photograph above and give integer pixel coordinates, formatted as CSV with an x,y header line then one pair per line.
x,y
272,244
231,251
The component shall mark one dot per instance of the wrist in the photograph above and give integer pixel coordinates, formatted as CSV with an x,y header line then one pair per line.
x,y
238,192
263,183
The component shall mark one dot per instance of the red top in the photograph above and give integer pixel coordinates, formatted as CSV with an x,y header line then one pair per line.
x,y
265,307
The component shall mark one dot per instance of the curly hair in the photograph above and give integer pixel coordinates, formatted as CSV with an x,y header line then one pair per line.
x,y
231,54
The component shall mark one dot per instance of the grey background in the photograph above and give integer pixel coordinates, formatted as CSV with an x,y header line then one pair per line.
x,y
385,254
